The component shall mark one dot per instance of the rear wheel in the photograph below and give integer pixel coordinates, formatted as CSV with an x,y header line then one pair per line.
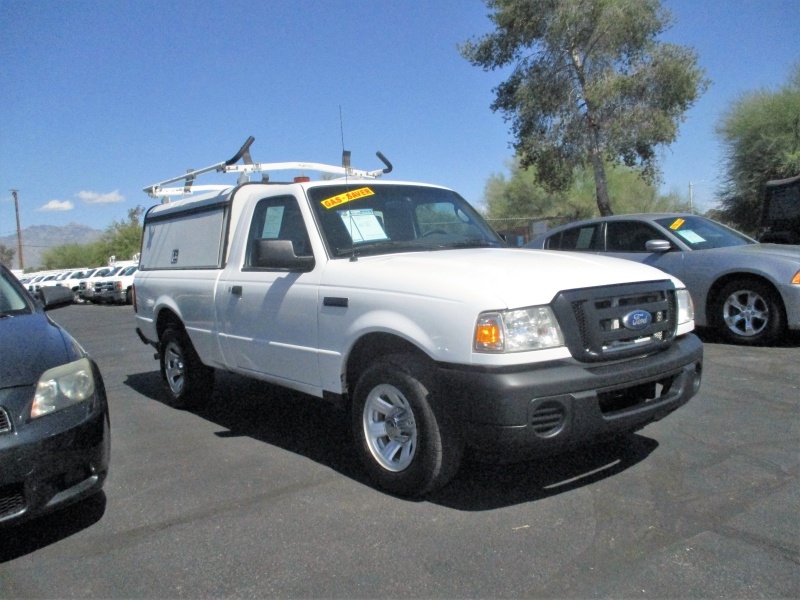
x,y
749,312
189,381
404,438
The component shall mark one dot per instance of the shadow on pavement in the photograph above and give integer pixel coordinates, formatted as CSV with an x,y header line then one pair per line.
x,y
707,335
321,432
30,536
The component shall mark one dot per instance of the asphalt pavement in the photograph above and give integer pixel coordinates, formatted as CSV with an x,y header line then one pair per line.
x,y
260,495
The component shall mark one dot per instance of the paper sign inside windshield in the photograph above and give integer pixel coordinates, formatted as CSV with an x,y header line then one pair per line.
x,y
347,197
363,225
691,237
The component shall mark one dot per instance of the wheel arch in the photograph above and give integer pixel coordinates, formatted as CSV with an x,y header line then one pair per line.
x,y
372,346
165,318
714,290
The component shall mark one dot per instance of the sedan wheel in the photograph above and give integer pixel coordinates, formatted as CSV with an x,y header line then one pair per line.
x,y
749,312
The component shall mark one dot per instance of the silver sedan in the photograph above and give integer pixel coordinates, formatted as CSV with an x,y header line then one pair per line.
x,y
749,292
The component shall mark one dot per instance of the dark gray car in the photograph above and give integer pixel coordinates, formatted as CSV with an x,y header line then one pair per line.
x,y
749,292
54,423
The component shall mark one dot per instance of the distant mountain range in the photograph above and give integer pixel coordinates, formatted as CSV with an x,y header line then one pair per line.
x,y
37,239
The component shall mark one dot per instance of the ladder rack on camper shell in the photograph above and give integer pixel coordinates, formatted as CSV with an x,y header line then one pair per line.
x,y
157,190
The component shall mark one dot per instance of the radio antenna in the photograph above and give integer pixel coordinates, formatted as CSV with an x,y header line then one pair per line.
x,y
346,165
341,125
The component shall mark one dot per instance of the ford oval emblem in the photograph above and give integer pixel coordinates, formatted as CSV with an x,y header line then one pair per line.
x,y
637,320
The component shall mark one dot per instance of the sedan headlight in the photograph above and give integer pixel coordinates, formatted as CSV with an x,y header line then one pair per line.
x,y
685,306
532,328
63,386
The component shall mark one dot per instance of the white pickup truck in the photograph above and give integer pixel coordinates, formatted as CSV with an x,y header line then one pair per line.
x,y
117,289
399,303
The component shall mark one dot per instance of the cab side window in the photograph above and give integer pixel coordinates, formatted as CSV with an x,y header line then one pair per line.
x,y
578,238
629,236
278,218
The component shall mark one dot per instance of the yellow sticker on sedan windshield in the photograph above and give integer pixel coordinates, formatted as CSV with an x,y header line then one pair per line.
x,y
677,224
347,197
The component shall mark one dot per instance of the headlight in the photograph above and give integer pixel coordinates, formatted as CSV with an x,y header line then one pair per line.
x,y
685,306
517,330
63,386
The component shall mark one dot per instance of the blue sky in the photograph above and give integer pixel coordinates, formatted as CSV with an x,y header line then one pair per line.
x,y
101,98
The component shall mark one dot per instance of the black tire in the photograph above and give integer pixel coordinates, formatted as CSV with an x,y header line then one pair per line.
x,y
190,383
129,296
748,312
406,441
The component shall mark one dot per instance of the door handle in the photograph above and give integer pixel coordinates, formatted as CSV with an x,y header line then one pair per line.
x,y
236,290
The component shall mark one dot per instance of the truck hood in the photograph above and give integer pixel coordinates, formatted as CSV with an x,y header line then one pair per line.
x,y
496,278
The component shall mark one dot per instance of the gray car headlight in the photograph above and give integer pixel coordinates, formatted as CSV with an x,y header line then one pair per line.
x,y
685,306
63,386
520,330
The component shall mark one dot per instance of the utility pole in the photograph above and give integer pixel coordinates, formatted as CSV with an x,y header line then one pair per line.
x,y
691,199
19,231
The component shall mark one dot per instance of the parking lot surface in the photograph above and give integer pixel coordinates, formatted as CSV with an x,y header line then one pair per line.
x,y
260,495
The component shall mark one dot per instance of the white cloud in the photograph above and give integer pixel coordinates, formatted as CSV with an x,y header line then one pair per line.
x,y
55,205
98,198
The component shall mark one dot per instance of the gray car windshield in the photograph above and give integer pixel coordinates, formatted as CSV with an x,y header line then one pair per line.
x,y
360,219
701,234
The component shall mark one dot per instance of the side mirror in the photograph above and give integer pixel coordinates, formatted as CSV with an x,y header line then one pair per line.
x,y
658,246
279,254
53,296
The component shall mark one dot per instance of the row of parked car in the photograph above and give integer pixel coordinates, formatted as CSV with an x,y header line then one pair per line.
x,y
111,284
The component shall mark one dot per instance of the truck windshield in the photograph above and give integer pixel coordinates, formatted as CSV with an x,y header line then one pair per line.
x,y
364,218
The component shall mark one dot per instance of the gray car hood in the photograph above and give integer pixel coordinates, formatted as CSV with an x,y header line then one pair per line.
x,y
782,250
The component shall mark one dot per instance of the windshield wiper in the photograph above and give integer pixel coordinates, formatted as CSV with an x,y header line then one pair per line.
x,y
371,247
462,245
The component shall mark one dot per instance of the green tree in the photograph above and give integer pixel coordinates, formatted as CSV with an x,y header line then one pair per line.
x,y
590,84
760,134
7,255
516,200
69,256
123,239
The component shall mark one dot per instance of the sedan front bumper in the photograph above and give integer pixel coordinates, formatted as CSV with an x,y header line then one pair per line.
x,y
52,461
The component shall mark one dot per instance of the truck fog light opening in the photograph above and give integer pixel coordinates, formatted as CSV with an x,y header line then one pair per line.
x,y
698,377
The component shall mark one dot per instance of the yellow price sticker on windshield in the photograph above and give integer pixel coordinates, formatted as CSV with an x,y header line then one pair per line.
x,y
347,197
677,224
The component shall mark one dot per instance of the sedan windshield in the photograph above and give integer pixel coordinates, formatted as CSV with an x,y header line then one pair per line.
x,y
12,300
701,234
382,219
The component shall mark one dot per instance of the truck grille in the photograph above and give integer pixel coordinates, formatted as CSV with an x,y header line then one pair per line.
x,y
617,321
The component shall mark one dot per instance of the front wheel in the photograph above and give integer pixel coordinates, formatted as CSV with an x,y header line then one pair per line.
x,y
405,439
749,312
189,381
